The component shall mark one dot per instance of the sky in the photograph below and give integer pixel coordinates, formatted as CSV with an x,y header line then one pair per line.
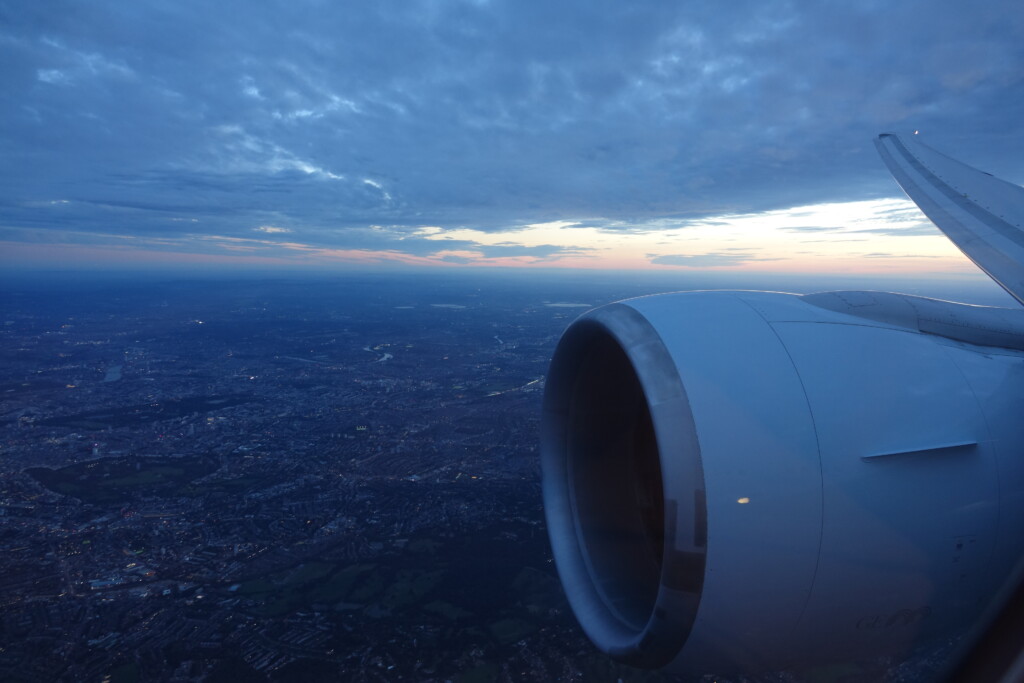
x,y
466,133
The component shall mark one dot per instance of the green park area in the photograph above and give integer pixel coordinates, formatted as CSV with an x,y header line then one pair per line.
x,y
115,480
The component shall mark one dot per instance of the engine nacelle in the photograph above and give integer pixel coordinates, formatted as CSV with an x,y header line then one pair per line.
x,y
742,481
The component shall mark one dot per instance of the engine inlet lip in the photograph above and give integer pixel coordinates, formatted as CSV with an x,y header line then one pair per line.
x,y
674,609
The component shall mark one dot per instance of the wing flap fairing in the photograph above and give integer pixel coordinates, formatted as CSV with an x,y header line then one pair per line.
x,y
981,214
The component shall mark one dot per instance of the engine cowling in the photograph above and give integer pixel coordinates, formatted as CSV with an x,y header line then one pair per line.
x,y
743,481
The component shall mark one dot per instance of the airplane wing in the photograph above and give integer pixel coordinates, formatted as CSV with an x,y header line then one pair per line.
x,y
981,214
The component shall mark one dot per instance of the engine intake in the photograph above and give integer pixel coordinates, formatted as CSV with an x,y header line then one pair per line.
x,y
613,405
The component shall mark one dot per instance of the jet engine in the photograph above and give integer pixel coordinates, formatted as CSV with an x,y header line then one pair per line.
x,y
744,481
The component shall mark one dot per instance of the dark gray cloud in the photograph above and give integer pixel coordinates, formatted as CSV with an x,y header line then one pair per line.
x,y
541,251
919,227
922,228
172,119
718,259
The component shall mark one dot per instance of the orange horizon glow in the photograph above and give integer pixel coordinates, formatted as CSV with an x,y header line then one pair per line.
x,y
21,255
877,237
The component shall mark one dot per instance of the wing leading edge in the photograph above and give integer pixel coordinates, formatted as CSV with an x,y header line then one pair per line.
x,y
981,214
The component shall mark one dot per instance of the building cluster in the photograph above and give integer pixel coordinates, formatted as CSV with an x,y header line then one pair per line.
x,y
242,487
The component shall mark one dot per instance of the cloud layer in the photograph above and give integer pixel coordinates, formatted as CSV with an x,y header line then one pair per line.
x,y
352,126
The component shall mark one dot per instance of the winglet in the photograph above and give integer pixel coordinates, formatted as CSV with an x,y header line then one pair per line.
x,y
981,214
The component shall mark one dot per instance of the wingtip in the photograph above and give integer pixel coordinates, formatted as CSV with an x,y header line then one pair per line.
x,y
882,136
